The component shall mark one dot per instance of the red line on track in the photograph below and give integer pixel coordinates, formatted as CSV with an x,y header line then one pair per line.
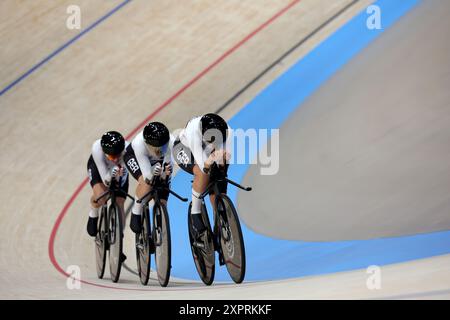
x,y
61,215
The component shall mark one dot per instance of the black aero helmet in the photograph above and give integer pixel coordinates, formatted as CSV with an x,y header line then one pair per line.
x,y
112,143
156,134
211,122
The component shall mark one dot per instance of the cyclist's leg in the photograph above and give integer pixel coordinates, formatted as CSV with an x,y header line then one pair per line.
x,y
98,188
185,160
136,210
141,189
133,167
199,185
120,199
222,189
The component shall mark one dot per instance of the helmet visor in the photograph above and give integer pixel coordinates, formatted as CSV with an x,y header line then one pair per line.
x,y
113,157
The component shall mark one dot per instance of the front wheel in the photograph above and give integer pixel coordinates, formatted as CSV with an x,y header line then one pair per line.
x,y
101,244
161,239
115,235
230,237
143,255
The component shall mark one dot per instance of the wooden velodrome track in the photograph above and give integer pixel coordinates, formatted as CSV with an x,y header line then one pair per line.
x,y
168,60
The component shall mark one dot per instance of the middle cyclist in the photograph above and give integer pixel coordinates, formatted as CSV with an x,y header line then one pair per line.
x,y
144,158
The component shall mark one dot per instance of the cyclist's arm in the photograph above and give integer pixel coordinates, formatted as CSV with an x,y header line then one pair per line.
x,y
227,146
122,161
191,136
99,159
196,147
221,156
168,157
142,157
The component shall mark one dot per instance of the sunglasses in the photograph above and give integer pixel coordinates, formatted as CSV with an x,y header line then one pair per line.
x,y
158,150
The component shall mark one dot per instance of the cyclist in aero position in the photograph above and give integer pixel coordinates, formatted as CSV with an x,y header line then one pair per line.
x,y
144,158
200,144
104,164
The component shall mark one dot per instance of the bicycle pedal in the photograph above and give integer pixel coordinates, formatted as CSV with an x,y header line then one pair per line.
x,y
199,245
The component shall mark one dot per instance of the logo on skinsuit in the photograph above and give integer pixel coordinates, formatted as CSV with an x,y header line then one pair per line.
x,y
183,158
133,165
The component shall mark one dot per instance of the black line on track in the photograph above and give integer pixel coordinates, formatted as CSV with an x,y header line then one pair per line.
x,y
283,56
262,74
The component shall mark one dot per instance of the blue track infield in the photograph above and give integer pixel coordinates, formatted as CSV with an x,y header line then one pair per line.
x,y
272,259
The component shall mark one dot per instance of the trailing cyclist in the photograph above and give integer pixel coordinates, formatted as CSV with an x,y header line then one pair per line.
x,y
105,164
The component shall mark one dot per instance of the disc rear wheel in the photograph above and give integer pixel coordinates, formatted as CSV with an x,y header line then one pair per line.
x,y
231,239
203,250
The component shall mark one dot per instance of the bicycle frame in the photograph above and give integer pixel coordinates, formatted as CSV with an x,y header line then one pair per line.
x,y
112,193
152,239
158,185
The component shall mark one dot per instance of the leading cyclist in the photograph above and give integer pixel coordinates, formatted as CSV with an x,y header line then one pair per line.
x,y
200,144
